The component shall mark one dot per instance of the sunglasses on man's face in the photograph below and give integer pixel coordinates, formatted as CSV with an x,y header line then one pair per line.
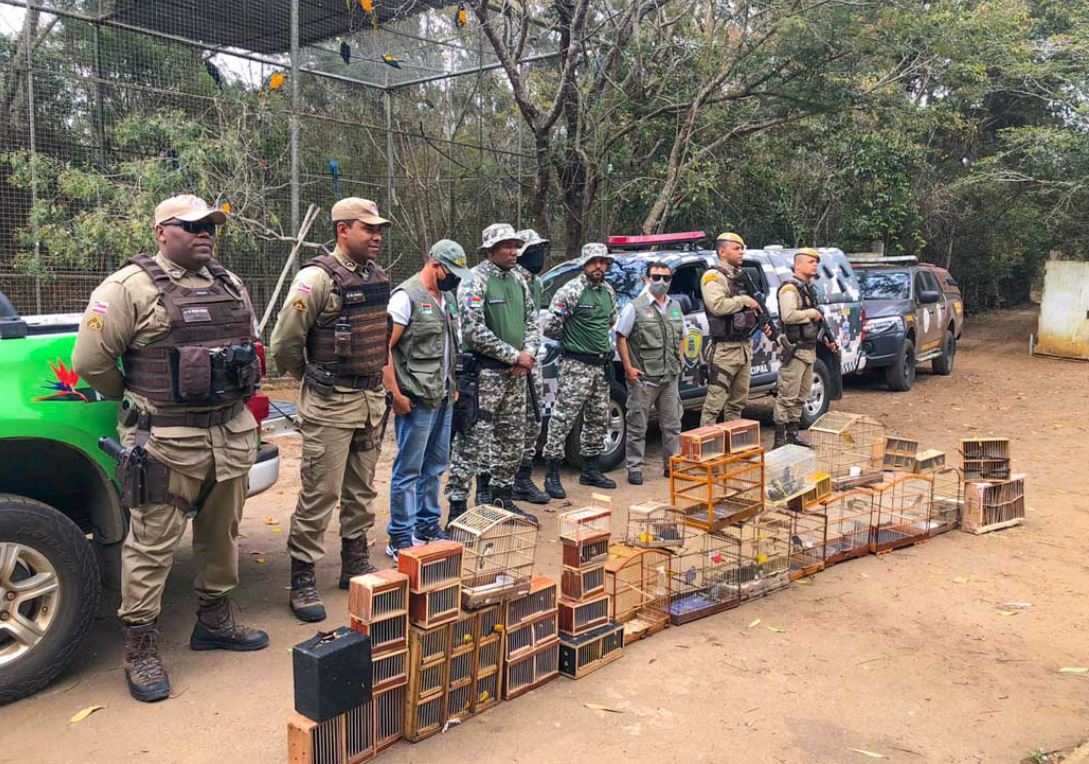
x,y
195,227
660,277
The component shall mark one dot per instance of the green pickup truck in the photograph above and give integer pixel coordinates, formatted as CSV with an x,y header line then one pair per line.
x,y
61,520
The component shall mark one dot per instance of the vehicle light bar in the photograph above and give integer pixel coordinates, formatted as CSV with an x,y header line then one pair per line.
x,y
655,240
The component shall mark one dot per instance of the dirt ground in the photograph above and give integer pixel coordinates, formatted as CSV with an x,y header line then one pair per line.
x,y
905,655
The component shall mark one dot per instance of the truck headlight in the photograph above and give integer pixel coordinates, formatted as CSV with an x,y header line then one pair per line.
x,y
883,325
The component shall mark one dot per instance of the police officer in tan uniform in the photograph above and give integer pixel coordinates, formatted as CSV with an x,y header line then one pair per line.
x,y
333,336
803,326
183,328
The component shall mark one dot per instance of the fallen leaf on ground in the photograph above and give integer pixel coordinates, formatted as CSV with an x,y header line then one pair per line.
x,y
960,580
871,754
804,581
260,560
599,707
270,520
754,623
1007,613
84,714
1075,670
277,530
776,629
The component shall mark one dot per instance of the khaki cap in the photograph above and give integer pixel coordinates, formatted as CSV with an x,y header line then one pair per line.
x,y
808,251
354,208
452,257
730,236
188,208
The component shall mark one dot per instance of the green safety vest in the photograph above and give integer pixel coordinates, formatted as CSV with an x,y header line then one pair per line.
x,y
505,309
655,340
586,329
419,355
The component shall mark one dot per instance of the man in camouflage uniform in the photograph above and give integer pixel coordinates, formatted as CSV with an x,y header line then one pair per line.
x,y
332,336
499,332
731,318
803,327
581,316
183,327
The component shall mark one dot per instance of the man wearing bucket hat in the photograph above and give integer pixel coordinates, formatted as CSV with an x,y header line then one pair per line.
x,y
500,336
183,328
332,335
581,316
420,377
731,319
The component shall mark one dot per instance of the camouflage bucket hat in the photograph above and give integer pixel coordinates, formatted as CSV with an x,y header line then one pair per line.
x,y
593,251
496,233
530,238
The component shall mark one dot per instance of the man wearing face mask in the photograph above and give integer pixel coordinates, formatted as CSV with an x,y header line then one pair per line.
x,y
650,341
420,377
332,335
581,315
499,333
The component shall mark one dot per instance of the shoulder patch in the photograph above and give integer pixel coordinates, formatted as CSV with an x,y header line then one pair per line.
x,y
299,305
475,301
304,288
94,323
707,277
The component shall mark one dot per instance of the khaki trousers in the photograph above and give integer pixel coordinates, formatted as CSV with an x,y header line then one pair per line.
x,y
795,383
728,382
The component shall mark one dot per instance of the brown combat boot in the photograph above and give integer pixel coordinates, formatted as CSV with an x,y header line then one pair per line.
x,y
144,670
780,436
355,559
216,629
306,603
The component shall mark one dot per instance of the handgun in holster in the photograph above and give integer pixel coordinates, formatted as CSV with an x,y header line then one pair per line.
x,y
143,480
467,407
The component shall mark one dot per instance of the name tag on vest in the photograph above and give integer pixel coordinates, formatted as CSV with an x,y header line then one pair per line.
x,y
355,295
586,306
500,301
196,315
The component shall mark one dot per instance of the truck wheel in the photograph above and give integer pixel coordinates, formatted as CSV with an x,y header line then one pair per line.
x,y
49,591
615,429
943,364
901,375
819,399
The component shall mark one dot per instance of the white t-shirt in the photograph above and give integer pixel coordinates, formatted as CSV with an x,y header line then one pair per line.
x,y
400,310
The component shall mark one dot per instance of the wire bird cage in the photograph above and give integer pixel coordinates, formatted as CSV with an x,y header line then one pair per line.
x,y
808,541
347,737
790,472
947,504
584,532
764,554
715,493
902,511
704,577
994,505
846,444
497,561
850,523
985,459
654,524
638,584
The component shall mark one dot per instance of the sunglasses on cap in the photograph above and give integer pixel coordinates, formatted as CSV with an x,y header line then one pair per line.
x,y
660,277
194,227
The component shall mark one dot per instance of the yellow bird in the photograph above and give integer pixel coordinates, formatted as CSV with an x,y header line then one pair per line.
x,y
367,5
226,207
276,81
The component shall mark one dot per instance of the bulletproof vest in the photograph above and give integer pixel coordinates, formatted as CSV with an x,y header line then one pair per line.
x,y
353,347
808,332
429,340
655,340
586,328
206,358
733,327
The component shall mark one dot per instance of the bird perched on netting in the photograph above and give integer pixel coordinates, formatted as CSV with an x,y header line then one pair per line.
x,y
346,52
213,72
391,61
461,16
367,5
334,170
276,81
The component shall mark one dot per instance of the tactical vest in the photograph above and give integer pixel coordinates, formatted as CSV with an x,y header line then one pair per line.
x,y
586,328
419,355
655,340
206,359
733,327
806,333
350,350
505,308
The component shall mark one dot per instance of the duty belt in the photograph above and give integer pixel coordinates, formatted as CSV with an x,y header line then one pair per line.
x,y
487,362
591,359
371,381
201,419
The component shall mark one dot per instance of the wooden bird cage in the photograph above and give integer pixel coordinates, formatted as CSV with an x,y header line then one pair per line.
x,y
716,493
585,532
993,505
434,607
579,583
984,459
820,487
580,616
900,454
655,525
947,505
389,717
531,670
704,577
929,462
902,509
764,554
540,599
789,472
703,443
808,541
429,664
389,670
497,561
348,738
637,582
850,523
536,632
588,652
847,444
740,435
378,607
436,565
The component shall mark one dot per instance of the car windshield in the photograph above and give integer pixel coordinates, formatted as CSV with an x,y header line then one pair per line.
x,y
886,285
625,276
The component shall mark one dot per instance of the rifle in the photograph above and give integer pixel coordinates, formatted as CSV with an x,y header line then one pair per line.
x,y
764,318
836,365
534,404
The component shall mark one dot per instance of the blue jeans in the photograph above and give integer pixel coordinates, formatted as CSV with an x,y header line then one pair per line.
x,y
423,452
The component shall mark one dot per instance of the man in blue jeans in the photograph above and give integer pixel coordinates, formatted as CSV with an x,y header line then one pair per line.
x,y
420,377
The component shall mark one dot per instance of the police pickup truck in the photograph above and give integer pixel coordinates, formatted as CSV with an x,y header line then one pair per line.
x,y
836,283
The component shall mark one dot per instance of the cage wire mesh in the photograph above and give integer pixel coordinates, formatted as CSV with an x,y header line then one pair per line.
x,y
847,444
637,581
497,561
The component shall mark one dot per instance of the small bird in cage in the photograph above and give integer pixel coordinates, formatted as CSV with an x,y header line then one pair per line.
x,y
346,52
214,73
690,575
276,81
461,16
391,61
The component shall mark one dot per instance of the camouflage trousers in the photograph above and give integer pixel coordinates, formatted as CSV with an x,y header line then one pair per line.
x,y
583,388
494,444
533,423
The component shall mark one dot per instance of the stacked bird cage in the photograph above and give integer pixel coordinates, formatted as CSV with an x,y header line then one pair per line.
x,y
434,582
764,548
497,561
900,454
741,434
704,577
531,639
472,677
703,444
808,541
791,471
902,511
584,532
718,492
654,525
850,523
947,504
637,582
847,446
984,459
994,505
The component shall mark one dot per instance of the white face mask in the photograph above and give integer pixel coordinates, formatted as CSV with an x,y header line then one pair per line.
x,y
658,288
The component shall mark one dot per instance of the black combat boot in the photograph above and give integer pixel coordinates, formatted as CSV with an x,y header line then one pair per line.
x,y
780,436
501,498
458,507
793,437
635,477
144,670
592,475
552,480
306,603
483,489
355,559
524,487
216,629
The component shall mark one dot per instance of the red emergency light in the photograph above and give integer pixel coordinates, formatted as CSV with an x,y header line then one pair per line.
x,y
654,241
